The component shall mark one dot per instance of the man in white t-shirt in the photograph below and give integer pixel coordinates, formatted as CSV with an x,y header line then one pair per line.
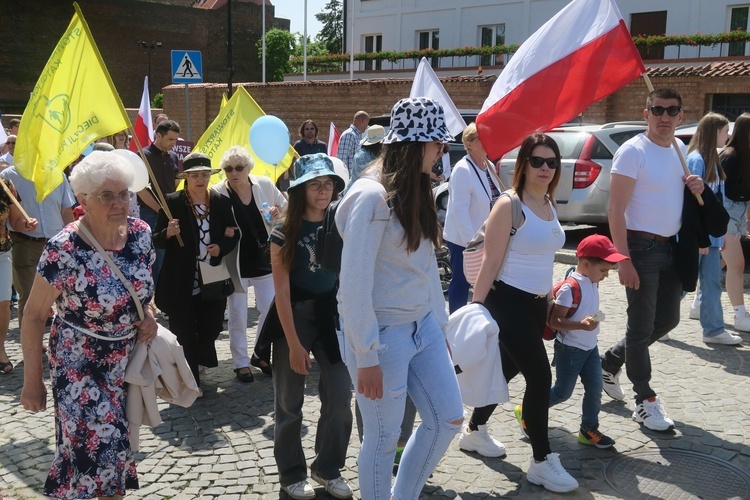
x,y
645,213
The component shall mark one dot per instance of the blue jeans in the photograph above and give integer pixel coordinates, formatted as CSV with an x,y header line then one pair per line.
x,y
653,311
149,217
414,360
570,362
709,273
458,290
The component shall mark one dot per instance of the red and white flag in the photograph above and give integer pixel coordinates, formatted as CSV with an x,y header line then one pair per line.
x,y
333,140
143,127
581,55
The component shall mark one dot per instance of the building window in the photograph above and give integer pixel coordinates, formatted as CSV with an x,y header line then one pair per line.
x,y
730,105
430,40
373,43
489,36
738,21
649,23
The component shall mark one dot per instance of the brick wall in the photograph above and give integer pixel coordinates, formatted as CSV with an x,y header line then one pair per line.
x,y
337,101
33,29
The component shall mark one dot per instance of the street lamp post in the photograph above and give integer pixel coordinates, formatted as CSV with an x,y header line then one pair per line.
x,y
150,49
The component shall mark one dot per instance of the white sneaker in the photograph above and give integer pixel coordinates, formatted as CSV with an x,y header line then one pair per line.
x,y
612,385
742,323
551,474
664,338
481,442
300,491
338,488
724,338
695,312
652,414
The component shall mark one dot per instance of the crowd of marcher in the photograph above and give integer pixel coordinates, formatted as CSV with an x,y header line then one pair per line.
x,y
379,324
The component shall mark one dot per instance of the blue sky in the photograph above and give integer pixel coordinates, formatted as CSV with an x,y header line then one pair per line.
x,y
294,11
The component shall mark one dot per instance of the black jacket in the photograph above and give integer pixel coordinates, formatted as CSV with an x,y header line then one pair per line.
x,y
175,285
698,222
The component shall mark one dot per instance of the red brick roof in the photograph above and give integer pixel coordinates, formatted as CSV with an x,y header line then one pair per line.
x,y
715,69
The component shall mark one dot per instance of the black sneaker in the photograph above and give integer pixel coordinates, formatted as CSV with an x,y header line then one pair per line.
x,y
595,438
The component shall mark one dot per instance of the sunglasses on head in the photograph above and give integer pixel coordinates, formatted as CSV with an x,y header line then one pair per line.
x,y
538,161
238,168
659,110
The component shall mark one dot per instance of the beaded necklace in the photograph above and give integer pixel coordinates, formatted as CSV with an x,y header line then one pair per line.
x,y
192,205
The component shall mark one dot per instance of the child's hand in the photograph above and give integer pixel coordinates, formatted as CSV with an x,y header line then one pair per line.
x,y
589,324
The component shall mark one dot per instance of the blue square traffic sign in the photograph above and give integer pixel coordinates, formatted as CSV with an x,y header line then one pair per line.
x,y
187,66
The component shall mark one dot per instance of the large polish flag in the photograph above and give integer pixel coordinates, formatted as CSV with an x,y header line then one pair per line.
x,y
581,55
333,140
143,128
427,84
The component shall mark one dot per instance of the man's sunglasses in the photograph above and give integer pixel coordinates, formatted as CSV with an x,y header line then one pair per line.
x,y
538,161
659,110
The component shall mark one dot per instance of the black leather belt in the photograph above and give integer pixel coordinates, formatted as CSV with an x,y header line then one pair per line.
x,y
29,238
647,235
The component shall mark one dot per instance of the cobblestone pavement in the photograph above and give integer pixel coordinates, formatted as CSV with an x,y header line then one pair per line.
x,y
223,445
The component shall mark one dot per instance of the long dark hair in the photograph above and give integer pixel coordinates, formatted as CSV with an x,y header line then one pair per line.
x,y
528,145
292,224
409,192
704,141
739,145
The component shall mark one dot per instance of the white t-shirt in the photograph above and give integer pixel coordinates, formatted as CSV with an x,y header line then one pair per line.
x,y
656,203
581,339
531,258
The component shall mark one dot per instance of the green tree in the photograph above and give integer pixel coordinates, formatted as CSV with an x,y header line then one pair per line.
x,y
280,45
332,33
158,101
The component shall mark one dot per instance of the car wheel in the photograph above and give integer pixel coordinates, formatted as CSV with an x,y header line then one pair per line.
x,y
446,273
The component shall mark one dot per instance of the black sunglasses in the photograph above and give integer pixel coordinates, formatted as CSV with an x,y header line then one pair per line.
x,y
538,161
659,110
238,168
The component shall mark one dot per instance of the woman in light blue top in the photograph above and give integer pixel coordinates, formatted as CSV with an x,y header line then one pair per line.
x,y
703,160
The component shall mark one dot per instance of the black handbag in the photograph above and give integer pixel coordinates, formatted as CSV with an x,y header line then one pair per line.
x,y
216,283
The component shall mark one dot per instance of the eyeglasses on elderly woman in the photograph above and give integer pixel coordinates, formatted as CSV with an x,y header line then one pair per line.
x,y
108,197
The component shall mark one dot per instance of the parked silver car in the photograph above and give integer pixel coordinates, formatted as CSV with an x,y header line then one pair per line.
x,y
582,194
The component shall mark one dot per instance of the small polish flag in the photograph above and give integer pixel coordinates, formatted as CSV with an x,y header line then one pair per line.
x,y
143,127
581,55
333,140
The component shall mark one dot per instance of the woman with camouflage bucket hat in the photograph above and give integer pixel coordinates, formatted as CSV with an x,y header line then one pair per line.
x,y
392,305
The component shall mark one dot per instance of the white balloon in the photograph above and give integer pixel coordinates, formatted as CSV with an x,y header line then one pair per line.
x,y
140,179
340,168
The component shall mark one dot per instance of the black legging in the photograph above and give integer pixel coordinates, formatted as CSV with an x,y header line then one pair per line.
x,y
521,317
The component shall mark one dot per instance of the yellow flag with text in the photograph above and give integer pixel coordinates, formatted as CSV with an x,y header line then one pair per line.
x,y
231,127
73,104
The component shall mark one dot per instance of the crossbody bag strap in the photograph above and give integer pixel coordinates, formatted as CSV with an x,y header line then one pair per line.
x,y
114,268
476,171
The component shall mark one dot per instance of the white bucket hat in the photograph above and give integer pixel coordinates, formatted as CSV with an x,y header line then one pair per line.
x,y
417,119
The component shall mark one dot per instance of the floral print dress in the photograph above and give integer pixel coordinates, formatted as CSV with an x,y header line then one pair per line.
x,y
92,454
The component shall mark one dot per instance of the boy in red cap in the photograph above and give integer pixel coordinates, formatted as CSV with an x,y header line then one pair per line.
x,y
575,317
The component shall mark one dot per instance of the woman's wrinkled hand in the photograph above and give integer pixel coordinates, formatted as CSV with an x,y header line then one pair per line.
x,y
173,228
147,329
34,396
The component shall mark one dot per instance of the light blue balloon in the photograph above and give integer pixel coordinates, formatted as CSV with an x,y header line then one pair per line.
x,y
89,149
269,138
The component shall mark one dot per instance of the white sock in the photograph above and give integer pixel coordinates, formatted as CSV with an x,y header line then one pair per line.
x,y
739,311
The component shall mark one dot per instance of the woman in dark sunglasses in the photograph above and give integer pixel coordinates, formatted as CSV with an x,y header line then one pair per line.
x,y
517,295
256,205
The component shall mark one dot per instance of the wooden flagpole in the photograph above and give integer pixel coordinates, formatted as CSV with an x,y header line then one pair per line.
x,y
160,196
650,87
15,201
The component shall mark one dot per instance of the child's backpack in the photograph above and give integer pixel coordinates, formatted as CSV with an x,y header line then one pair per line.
x,y
328,241
549,332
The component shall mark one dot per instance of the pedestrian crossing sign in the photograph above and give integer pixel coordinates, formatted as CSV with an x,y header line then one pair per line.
x,y
187,66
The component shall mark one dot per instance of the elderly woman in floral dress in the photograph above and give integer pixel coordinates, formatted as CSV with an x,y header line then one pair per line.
x,y
93,333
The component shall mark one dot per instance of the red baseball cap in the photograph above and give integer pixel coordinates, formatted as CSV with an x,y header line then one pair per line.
x,y
600,247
